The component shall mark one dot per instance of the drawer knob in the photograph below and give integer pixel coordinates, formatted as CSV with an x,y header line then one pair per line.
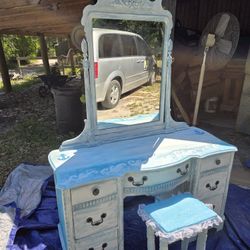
x,y
98,222
137,184
95,191
183,172
104,245
212,188
91,248
218,162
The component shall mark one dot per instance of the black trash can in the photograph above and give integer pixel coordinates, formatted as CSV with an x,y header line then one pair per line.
x,y
70,111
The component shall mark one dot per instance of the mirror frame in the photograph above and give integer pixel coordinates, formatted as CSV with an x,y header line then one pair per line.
x,y
137,10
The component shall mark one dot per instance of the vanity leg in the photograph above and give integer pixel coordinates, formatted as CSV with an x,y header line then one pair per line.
x,y
150,238
120,216
163,244
184,244
201,240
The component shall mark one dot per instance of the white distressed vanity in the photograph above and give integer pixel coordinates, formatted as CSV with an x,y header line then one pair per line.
x,y
137,154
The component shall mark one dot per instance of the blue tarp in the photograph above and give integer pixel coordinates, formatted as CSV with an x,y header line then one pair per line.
x,y
39,229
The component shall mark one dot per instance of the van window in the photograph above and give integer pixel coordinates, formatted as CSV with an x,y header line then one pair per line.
x,y
110,46
143,49
129,45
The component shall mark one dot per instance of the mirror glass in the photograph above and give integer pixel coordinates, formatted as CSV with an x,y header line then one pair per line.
x,y
127,71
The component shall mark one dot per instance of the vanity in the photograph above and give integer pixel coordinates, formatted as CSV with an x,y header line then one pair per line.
x,y
135,148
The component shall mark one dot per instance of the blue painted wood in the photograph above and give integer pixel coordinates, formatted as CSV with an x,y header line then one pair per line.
x,y
74,167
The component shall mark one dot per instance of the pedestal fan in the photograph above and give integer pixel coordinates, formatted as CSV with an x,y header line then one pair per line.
x,y
77,35
219,41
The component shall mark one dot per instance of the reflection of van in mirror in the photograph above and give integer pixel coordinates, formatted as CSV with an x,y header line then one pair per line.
x,y
123,62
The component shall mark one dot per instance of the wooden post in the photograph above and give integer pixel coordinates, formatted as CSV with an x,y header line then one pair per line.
x,y
44,54
4,69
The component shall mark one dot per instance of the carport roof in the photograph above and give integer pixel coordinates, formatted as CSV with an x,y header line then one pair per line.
x,y
49,17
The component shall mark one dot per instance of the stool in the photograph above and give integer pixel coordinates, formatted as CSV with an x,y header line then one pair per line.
x,y
178,218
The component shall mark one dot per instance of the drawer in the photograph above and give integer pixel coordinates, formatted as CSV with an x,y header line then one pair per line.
x,y
95,219
149,178
217,202
104,241
216,161
212,184
93,191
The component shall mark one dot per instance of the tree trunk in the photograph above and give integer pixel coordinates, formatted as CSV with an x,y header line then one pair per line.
x,y
4,70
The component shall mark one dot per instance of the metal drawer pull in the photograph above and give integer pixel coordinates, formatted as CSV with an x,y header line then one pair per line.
x,y
95,191
183,172
137,184
218,162
98,222
214,187
104,245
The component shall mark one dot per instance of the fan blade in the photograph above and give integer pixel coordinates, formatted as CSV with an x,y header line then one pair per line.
x,y
224,46
222,25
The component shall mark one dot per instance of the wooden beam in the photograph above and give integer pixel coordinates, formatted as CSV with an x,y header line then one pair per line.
x,y
4,70
44,54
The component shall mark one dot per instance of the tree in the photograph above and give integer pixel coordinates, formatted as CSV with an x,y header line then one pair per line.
x,y
22,46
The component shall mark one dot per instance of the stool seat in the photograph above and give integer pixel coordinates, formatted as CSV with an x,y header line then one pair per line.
x,y
179,217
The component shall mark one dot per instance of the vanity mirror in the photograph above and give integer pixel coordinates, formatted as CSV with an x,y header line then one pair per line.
x,y
127,66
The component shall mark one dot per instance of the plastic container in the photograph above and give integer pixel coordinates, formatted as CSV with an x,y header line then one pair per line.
x,y
70,111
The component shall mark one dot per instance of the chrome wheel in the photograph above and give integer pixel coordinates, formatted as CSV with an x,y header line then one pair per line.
x,y
114,94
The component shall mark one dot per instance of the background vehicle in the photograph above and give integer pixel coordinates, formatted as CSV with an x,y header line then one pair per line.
x,y
123,61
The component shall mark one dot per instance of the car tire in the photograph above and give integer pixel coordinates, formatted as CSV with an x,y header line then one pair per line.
x,y
113,95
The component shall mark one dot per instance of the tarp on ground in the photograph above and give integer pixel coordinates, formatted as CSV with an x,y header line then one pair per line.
x,y
38,230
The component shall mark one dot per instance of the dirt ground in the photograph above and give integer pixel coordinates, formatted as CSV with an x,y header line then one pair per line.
x,y
143,100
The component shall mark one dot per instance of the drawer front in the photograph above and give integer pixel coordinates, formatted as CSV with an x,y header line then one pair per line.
x,y
217,202
104,241
216,161
212,184
95,219
149,178
93,191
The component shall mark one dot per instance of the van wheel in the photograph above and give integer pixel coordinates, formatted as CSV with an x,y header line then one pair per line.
x,y
113,95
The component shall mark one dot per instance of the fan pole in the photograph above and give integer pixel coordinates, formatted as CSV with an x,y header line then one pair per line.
x,y
209,43
200,85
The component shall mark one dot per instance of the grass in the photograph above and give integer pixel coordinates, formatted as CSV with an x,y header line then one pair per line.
x,y
19,85
28,128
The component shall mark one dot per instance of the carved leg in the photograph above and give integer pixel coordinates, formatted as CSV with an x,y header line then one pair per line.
x,y
163,244
150,238
201,240
184,244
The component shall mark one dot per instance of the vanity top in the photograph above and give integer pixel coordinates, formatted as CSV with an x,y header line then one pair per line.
x,y
84,165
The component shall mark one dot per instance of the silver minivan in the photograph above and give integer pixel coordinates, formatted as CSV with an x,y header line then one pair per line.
x,y
122,61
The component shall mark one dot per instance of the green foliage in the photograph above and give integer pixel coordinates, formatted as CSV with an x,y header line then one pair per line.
x,y
22,46
152,32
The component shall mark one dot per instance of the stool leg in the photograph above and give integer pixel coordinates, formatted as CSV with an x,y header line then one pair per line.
x,y
163,244
201,240
184,244
150,238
